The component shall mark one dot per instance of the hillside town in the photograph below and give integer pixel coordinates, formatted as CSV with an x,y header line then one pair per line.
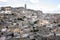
x,y
21,23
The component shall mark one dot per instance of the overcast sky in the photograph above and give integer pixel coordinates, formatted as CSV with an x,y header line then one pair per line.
x,y
51,6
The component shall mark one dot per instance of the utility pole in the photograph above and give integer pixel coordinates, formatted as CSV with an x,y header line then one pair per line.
x,y
54,35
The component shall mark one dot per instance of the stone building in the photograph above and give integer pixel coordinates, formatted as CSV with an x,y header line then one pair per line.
x,y
6,10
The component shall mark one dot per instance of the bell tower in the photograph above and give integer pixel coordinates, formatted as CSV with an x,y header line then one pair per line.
x,y
25,6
